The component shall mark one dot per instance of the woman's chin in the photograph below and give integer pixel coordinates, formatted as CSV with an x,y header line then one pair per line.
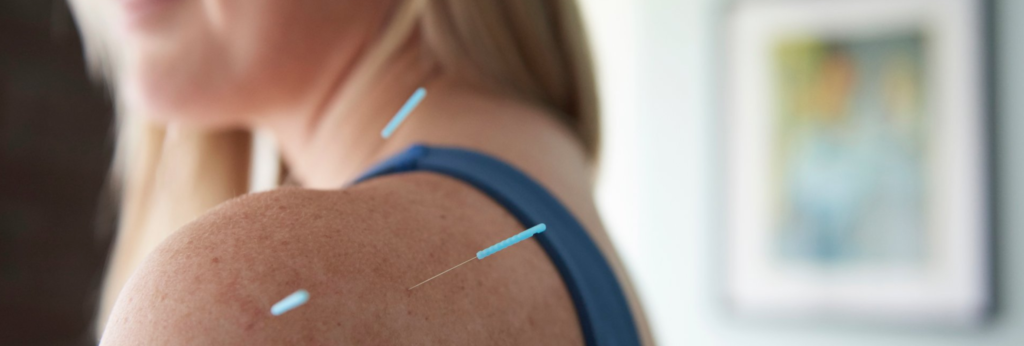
x,y
165,110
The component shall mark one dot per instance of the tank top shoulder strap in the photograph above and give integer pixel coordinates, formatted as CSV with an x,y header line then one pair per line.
x,y
601,305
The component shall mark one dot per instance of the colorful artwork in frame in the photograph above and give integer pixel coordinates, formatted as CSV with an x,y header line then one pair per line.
x,y
856,161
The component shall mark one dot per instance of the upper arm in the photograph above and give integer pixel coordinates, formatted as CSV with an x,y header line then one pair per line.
x,y
356,252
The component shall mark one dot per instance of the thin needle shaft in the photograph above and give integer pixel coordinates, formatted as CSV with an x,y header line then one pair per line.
x,y
442,273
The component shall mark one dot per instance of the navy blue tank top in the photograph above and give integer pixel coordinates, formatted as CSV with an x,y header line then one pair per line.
x,y
601,305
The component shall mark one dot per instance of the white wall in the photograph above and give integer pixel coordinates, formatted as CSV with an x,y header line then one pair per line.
x,y
657,63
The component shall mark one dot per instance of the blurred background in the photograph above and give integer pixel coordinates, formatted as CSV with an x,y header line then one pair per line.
x,y
663,67
55,147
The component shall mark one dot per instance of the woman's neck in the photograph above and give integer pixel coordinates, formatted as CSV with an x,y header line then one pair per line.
x,y
332,137
334,140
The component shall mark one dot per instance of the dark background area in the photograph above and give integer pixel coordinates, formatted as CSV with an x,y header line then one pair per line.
x,y
56,139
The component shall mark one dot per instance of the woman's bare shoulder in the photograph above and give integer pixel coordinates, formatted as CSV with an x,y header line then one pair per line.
x,y
356,251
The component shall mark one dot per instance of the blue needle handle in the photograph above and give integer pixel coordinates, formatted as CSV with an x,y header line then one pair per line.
x,y
407,108
290,302
510,241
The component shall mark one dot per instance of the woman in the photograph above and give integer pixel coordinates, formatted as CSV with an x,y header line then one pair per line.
x,y
510,91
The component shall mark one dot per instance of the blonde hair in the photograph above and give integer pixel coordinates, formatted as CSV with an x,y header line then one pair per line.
x,y
535,50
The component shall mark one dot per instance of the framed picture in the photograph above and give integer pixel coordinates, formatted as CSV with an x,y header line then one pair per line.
x,y
856,161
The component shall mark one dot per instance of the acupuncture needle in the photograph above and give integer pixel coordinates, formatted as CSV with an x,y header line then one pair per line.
x,y
494,248
407,108
292,301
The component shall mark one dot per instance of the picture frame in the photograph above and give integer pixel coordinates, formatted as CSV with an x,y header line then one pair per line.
x,y
856,161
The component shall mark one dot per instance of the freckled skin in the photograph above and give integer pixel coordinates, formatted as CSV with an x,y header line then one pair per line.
x,y
356,252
